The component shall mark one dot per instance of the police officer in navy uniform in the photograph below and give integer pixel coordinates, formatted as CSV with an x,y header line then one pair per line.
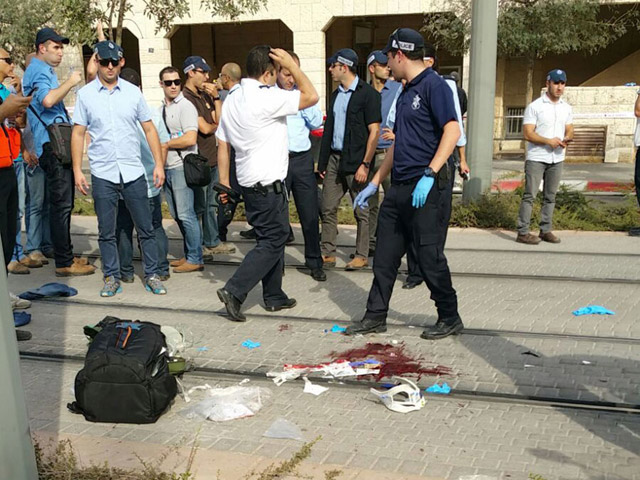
x,y
254,123
417,207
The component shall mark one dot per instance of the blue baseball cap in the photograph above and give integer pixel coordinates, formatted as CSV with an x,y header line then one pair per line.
x,y
46,34
377,56
346,56
405,39
193,62
108,50
557,76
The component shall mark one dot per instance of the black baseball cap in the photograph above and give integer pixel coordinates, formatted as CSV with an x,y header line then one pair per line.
x,y
346,56
405,39
193,62
377,56
108,50
46,34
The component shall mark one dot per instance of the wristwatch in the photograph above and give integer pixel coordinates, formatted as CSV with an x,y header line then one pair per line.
x,y
367,164
428,172
215,99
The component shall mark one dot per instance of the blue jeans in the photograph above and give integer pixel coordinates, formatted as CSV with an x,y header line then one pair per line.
x,y
181,205
37,222
105,197
18,251
124,236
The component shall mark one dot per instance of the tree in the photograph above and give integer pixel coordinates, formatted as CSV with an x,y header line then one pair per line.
x,y
535,28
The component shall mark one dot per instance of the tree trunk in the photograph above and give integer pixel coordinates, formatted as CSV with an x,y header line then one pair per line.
x,y
122,7
111,12
529,92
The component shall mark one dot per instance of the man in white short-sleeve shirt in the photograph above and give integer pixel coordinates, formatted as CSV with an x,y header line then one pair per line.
x,y
548,128
635,231
254,123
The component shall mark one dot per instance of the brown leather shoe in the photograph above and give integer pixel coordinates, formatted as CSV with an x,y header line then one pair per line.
x,y
528,239
80,261
549,237
30,262
187,267
17,268
177,263
358,263
328,261
40,257
75,270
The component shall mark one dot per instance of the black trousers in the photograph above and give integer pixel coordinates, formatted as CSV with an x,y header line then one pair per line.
x,y
636,177
8,211
61,196
301,182
400,225
223,222
269,215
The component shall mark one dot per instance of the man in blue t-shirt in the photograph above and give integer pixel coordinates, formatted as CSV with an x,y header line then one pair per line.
x,y
417,206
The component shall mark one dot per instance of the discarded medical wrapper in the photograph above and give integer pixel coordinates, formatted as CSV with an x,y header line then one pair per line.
x,y
223,404
312,388
338,369
593,310
283,428
403,398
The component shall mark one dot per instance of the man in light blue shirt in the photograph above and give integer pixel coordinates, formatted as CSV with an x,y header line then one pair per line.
x,y
47,107
301,179
110,109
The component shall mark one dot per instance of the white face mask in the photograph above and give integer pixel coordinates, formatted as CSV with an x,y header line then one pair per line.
x,y
402,398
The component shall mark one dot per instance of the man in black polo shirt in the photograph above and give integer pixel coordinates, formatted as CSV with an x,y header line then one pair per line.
x,y
346,152
418,205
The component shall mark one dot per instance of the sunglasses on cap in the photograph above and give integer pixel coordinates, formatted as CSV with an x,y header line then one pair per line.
x,y
177,82
7,60
106,61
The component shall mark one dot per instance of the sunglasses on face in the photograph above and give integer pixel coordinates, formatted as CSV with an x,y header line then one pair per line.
x,y
176,82
106,61
8,60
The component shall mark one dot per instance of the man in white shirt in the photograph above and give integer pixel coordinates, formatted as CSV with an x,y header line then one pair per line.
x,y
254,123
548,128
635,232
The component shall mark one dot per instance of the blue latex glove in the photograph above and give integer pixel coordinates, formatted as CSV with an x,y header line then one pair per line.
x,y
362,199
593,310
421,192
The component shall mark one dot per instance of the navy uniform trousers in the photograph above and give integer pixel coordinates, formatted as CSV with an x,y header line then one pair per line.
x,y
268,213
400,225
301,182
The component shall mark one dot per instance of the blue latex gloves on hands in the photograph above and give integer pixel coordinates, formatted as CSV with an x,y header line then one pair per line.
x,y
421,192
362,199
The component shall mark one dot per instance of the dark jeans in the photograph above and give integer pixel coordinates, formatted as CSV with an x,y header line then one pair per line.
x,y
400,224
206,206
124,236
269,215
61,196
105,196
301,182
636,177
8,211
223,222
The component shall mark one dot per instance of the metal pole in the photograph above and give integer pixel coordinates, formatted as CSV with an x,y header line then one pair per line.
x,y
482,89
17,456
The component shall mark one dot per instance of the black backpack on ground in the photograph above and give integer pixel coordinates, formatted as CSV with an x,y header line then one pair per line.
x,y
126,377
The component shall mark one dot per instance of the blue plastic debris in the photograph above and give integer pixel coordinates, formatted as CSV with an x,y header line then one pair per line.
x,y
593,310
203,349
338,329
250,345
20,319
435,388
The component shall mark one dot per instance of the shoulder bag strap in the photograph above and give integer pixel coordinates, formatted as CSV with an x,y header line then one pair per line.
x,y
164,120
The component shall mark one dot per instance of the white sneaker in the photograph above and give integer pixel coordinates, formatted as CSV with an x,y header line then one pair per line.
x,y
18,303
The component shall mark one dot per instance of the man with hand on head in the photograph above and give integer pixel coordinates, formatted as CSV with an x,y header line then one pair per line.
x,y
110,109
415,209
254,123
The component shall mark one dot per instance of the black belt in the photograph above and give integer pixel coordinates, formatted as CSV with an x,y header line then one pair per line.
x,y
298,154
275,187
410,181
336,152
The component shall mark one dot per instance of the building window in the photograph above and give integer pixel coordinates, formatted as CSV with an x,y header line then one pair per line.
x,y
513,122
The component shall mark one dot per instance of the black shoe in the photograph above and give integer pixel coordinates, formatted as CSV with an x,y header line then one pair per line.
x,y
372,252
288,303
249,234
366,325
23,335
411,284
442,329
318,275
634,232
126,279
291,238
233,305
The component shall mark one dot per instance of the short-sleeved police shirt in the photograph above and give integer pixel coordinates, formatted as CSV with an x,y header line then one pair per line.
x,y
204,105
423,108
